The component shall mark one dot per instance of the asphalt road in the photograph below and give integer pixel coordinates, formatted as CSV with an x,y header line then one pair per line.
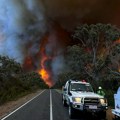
x,y
46,106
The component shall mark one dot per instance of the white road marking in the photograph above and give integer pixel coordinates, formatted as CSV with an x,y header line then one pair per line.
x,y
51,111
22,106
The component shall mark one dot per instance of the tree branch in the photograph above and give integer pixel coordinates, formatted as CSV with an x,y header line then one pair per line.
x,y
113,71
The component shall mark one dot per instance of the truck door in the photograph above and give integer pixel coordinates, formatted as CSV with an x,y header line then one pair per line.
x,y
68,93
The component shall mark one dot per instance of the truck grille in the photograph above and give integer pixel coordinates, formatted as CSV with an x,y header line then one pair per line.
x,y
91,101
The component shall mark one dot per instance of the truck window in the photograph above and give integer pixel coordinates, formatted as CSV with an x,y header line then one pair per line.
x,y
81,87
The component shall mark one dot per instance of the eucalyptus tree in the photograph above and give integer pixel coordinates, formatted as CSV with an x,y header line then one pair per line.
x,y
98,40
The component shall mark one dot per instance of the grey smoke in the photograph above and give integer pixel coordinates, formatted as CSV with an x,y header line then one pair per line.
x,y
54,50
24,22
21,22
57,66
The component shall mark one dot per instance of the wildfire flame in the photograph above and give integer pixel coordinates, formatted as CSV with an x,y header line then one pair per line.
x,y
44,72
46,62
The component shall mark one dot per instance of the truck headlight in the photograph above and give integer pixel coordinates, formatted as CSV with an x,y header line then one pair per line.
x,y
76,99
103,101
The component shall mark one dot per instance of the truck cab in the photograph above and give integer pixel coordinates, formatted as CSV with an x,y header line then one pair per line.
x,y
79,95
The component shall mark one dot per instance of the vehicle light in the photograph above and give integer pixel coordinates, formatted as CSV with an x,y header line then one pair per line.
x,y
103,101
76,99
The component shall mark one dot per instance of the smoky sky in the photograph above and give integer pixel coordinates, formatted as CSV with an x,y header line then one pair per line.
x,y
24,22
69,13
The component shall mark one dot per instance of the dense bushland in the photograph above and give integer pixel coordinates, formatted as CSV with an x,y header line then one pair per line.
x,y
15,82
94,57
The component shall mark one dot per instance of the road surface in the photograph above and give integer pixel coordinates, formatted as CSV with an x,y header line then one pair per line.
x,y
45,106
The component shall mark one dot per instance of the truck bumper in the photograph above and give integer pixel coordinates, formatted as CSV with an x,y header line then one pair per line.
x,y
89,108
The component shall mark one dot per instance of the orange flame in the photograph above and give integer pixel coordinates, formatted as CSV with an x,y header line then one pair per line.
x,y
44,71
45,74
117,41
58,38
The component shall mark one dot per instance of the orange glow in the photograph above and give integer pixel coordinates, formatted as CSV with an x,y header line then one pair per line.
x,y
55,39
117,41
45,74
119,68
28,63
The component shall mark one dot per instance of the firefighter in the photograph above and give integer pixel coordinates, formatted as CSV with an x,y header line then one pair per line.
x,y
100,91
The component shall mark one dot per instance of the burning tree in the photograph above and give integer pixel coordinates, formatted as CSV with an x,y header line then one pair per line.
x,y
115,60
98,41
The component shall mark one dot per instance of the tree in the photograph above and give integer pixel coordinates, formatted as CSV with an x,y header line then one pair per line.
x,y
15,82
98,41
115,61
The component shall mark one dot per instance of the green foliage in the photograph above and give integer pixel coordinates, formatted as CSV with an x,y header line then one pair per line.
x,y
14,82
63,77
95,57
100,40
110,97
90,33
77,58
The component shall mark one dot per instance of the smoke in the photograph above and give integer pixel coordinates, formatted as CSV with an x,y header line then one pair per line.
x,y
57,66
51,52
54,51
70,13
22,22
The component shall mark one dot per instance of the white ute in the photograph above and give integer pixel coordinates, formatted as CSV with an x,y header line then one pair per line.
x,y
78,95
116,111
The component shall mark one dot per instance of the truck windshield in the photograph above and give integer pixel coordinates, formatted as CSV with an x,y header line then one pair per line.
x,y
81,87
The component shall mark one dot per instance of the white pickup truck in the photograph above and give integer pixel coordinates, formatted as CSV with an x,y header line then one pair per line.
x,y
116,111
80,96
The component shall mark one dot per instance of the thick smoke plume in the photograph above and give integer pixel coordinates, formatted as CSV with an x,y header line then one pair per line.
x,y
22,23
25,23
70,13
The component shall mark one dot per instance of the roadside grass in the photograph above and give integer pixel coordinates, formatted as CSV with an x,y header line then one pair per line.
x,y
110,97
13,94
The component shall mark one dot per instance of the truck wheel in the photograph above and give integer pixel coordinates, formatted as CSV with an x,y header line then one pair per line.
x,y
64,102
71,112
102,114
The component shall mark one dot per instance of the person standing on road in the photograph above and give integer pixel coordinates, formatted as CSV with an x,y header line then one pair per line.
x,y
100,91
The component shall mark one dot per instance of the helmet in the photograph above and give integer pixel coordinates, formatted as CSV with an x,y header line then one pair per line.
x,y
99,87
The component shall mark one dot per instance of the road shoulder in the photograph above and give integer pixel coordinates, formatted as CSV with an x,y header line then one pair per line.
x,y
12,105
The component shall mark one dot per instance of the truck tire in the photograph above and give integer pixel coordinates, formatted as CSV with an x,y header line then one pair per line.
x,y
71,112
102,115
64,102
